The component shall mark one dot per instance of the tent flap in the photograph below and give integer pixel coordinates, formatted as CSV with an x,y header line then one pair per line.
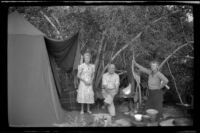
x,y
64,52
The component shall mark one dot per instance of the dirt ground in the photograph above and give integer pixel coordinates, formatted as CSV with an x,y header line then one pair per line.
x,y
75,119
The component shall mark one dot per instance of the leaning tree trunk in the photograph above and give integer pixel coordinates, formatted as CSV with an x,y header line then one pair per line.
x,y
115,55
98,62
137,79
179,96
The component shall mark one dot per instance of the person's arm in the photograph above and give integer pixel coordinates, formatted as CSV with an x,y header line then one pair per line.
x,y
163,79
92,75
79,73
104,83
93,72
141,68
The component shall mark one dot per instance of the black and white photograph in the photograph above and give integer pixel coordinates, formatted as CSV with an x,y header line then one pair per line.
x,y
100,65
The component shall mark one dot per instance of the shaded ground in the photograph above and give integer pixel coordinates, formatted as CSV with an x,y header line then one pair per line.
x,y
75,119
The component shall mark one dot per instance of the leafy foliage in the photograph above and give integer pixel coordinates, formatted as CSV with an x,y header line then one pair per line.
x,y
106,29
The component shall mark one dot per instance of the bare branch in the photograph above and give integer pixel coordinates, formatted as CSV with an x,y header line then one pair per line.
x,y
56,19
103,58
137,79
175,83
100,47
166,59
52,24
113,49
147,10
191,47
118,52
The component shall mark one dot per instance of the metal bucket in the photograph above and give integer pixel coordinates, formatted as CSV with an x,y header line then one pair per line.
x,y
152,113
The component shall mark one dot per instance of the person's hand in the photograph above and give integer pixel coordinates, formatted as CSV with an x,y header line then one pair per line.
x,y
88,83
104,87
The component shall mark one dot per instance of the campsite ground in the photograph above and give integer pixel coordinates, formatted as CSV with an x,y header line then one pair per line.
x,y
73,118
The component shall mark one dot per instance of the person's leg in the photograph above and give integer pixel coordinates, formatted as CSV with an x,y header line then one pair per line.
x,y
159,103
88,109
82,108
111,109
111,106
104,97
149,101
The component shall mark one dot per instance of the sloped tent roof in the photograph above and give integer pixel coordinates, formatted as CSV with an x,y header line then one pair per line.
x,y
17,24
32,97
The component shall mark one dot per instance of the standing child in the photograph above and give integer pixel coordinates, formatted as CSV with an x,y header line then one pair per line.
x,y
85,90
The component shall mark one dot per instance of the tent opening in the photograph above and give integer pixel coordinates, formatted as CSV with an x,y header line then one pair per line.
x,y
64,60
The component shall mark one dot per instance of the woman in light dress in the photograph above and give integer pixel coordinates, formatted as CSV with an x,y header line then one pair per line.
x,y
85,90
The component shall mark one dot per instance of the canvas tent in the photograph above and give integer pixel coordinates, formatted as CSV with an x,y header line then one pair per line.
x,y
32,96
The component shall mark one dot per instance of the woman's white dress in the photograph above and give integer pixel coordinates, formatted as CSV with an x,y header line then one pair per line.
x,y
85,92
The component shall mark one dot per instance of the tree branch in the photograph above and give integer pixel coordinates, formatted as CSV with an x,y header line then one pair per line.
x,y
113,49
52,24
119,51
103,58
175,84
56,19
166,59
183,31
137,79
100,47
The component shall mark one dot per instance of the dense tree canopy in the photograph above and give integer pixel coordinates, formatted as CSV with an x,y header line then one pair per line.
x,y
113,32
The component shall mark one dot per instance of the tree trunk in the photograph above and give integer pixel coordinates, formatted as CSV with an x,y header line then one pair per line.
x,y
137,79
103,56
97,61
